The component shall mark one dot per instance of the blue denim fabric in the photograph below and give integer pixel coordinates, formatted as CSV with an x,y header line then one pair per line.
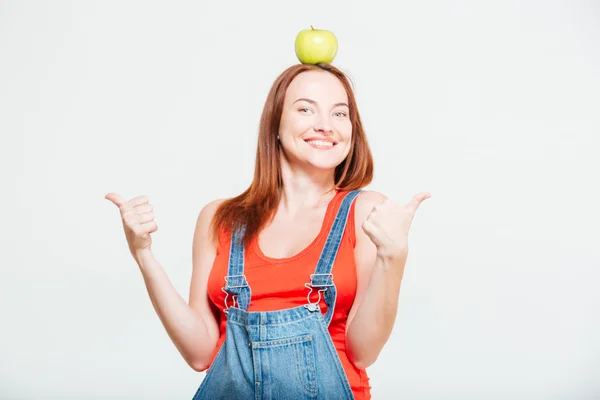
x,y
285,354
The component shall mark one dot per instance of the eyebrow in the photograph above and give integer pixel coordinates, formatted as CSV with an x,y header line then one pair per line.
x,y
315,103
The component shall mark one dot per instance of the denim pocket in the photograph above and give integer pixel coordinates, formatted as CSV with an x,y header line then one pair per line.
x,y
289,363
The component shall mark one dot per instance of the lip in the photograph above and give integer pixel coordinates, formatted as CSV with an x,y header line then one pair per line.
x,y
329,140
321,147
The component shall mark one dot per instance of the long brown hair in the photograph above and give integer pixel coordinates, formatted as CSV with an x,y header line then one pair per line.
x,y
255,207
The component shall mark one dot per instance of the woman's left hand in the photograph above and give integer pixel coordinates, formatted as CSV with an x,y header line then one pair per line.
x,y
388,224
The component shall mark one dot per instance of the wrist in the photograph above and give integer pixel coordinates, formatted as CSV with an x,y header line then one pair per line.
x,y
393,255
141,256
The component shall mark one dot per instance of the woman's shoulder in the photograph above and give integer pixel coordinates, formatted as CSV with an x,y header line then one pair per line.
x,y
208,211
205,218
361,208
365,201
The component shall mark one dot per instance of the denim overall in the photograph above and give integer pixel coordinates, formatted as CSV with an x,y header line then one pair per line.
x,y
285,354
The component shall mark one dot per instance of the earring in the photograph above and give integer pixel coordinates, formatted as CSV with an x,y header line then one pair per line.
x,y
278,137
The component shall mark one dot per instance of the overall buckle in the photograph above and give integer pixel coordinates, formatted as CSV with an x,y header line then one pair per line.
x,y
233,296
314,306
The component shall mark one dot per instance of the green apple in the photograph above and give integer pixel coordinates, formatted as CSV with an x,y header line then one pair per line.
x,y
315,46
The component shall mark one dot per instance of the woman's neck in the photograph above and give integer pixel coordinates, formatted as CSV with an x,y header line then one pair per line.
x,y
302,190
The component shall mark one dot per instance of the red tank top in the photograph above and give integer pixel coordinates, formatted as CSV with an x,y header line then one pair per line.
x,y
278,283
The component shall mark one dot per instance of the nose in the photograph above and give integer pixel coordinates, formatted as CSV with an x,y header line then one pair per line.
x,y
322,125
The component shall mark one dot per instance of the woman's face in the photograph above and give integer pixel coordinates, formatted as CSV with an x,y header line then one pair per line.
x,y
315,126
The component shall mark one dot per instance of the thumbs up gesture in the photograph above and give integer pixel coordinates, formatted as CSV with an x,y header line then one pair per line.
x,y
388,224
138,221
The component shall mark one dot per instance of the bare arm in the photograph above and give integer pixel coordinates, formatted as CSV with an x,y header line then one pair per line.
x,y
192,327
373,313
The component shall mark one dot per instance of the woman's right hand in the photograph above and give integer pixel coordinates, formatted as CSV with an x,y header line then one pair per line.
x,y
138,222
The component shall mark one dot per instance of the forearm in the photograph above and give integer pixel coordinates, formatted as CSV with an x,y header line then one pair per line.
x,y
372,325
183,324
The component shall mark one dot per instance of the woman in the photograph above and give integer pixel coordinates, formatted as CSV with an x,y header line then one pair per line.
x,y
295,282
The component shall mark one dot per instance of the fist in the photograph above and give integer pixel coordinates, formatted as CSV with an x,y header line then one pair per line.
x,y
138,221
388,224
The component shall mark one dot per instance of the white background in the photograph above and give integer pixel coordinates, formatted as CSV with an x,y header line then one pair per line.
x,y
492,107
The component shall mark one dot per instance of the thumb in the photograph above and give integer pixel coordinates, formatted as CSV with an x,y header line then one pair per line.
x,y
417,200
115,198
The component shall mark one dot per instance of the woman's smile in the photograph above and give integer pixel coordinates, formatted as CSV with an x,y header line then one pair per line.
x,y
322,144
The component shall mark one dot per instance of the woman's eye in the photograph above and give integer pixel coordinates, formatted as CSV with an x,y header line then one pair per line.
x,y
303,109
340,114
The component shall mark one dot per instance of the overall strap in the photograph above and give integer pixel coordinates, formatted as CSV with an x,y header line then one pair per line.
x,y
323,278
236,284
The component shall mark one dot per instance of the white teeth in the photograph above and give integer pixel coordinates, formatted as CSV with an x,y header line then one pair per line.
x,y
319,143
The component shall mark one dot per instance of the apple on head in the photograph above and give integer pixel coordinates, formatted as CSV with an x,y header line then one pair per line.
x,y
315,46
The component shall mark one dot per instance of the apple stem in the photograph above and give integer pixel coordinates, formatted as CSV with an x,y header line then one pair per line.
x,y
312,28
